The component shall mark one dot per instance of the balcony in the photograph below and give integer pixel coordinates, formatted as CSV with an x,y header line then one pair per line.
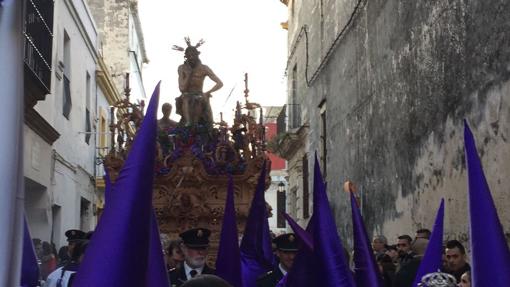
x,y
291,132
38,39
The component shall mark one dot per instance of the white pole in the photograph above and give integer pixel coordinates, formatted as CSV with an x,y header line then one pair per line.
x,y
11,141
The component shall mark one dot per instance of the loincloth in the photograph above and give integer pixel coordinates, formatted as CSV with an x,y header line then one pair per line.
x,y
192,98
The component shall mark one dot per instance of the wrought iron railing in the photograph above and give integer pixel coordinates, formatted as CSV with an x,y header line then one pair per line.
x,y
38,34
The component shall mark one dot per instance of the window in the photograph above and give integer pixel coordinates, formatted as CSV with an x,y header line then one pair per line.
x,y
306,193
103,148
294,107
280,205
56,226
67,103
85,214
323,139
88,126
281,127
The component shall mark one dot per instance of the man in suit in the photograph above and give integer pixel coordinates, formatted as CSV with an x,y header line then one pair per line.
x,y
286,250
456,259
195,246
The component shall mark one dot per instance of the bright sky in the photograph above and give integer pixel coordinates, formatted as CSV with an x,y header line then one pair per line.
x,y
241,36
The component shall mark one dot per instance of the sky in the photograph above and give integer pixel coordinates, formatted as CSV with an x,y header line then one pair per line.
x,y
241,36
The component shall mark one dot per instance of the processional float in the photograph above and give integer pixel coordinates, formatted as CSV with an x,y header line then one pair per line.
x,y
192,164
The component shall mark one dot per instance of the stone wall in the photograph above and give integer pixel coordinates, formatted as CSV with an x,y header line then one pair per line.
x,y
398,78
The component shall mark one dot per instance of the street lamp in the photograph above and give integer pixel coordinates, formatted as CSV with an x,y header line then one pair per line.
x,y
281,187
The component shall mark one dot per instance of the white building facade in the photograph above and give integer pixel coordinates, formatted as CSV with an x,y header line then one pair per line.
x,y
60,177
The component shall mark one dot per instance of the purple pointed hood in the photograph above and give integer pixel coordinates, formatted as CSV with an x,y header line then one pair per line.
x,y
366,271
490,257
228,262
432,260
118,252
256,251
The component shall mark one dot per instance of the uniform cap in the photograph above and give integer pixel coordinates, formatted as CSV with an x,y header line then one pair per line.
x,y
286,242
74,235
196,237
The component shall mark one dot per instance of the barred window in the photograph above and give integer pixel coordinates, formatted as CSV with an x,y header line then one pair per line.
x,y
67,102
88,126
280,205
66,111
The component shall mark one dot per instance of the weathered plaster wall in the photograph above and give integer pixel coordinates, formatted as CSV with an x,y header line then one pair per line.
x,y
397,86
112,19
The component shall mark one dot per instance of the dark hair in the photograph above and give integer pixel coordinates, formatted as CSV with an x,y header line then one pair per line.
x,y
206,280
173,245
386,263
455,243
424,230
383,258
405,237
79,249
392,247
62,254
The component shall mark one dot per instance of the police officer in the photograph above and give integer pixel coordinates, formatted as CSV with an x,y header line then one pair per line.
x,y
63,276
195,245
286,250
65,252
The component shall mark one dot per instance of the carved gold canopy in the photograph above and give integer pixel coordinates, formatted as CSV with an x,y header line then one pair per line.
x,y
192,163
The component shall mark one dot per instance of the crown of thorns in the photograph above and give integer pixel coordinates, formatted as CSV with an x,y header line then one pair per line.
x,y
188,42
438,279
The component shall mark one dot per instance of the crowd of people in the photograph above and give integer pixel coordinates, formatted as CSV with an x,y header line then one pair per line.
x,y
186,257
57,269
399,261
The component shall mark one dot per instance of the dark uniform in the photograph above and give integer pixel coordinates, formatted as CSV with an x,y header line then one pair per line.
x,y
197,238
178,275
271,278
457,274
285,243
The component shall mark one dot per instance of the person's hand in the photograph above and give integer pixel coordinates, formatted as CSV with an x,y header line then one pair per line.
x,y
208,95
